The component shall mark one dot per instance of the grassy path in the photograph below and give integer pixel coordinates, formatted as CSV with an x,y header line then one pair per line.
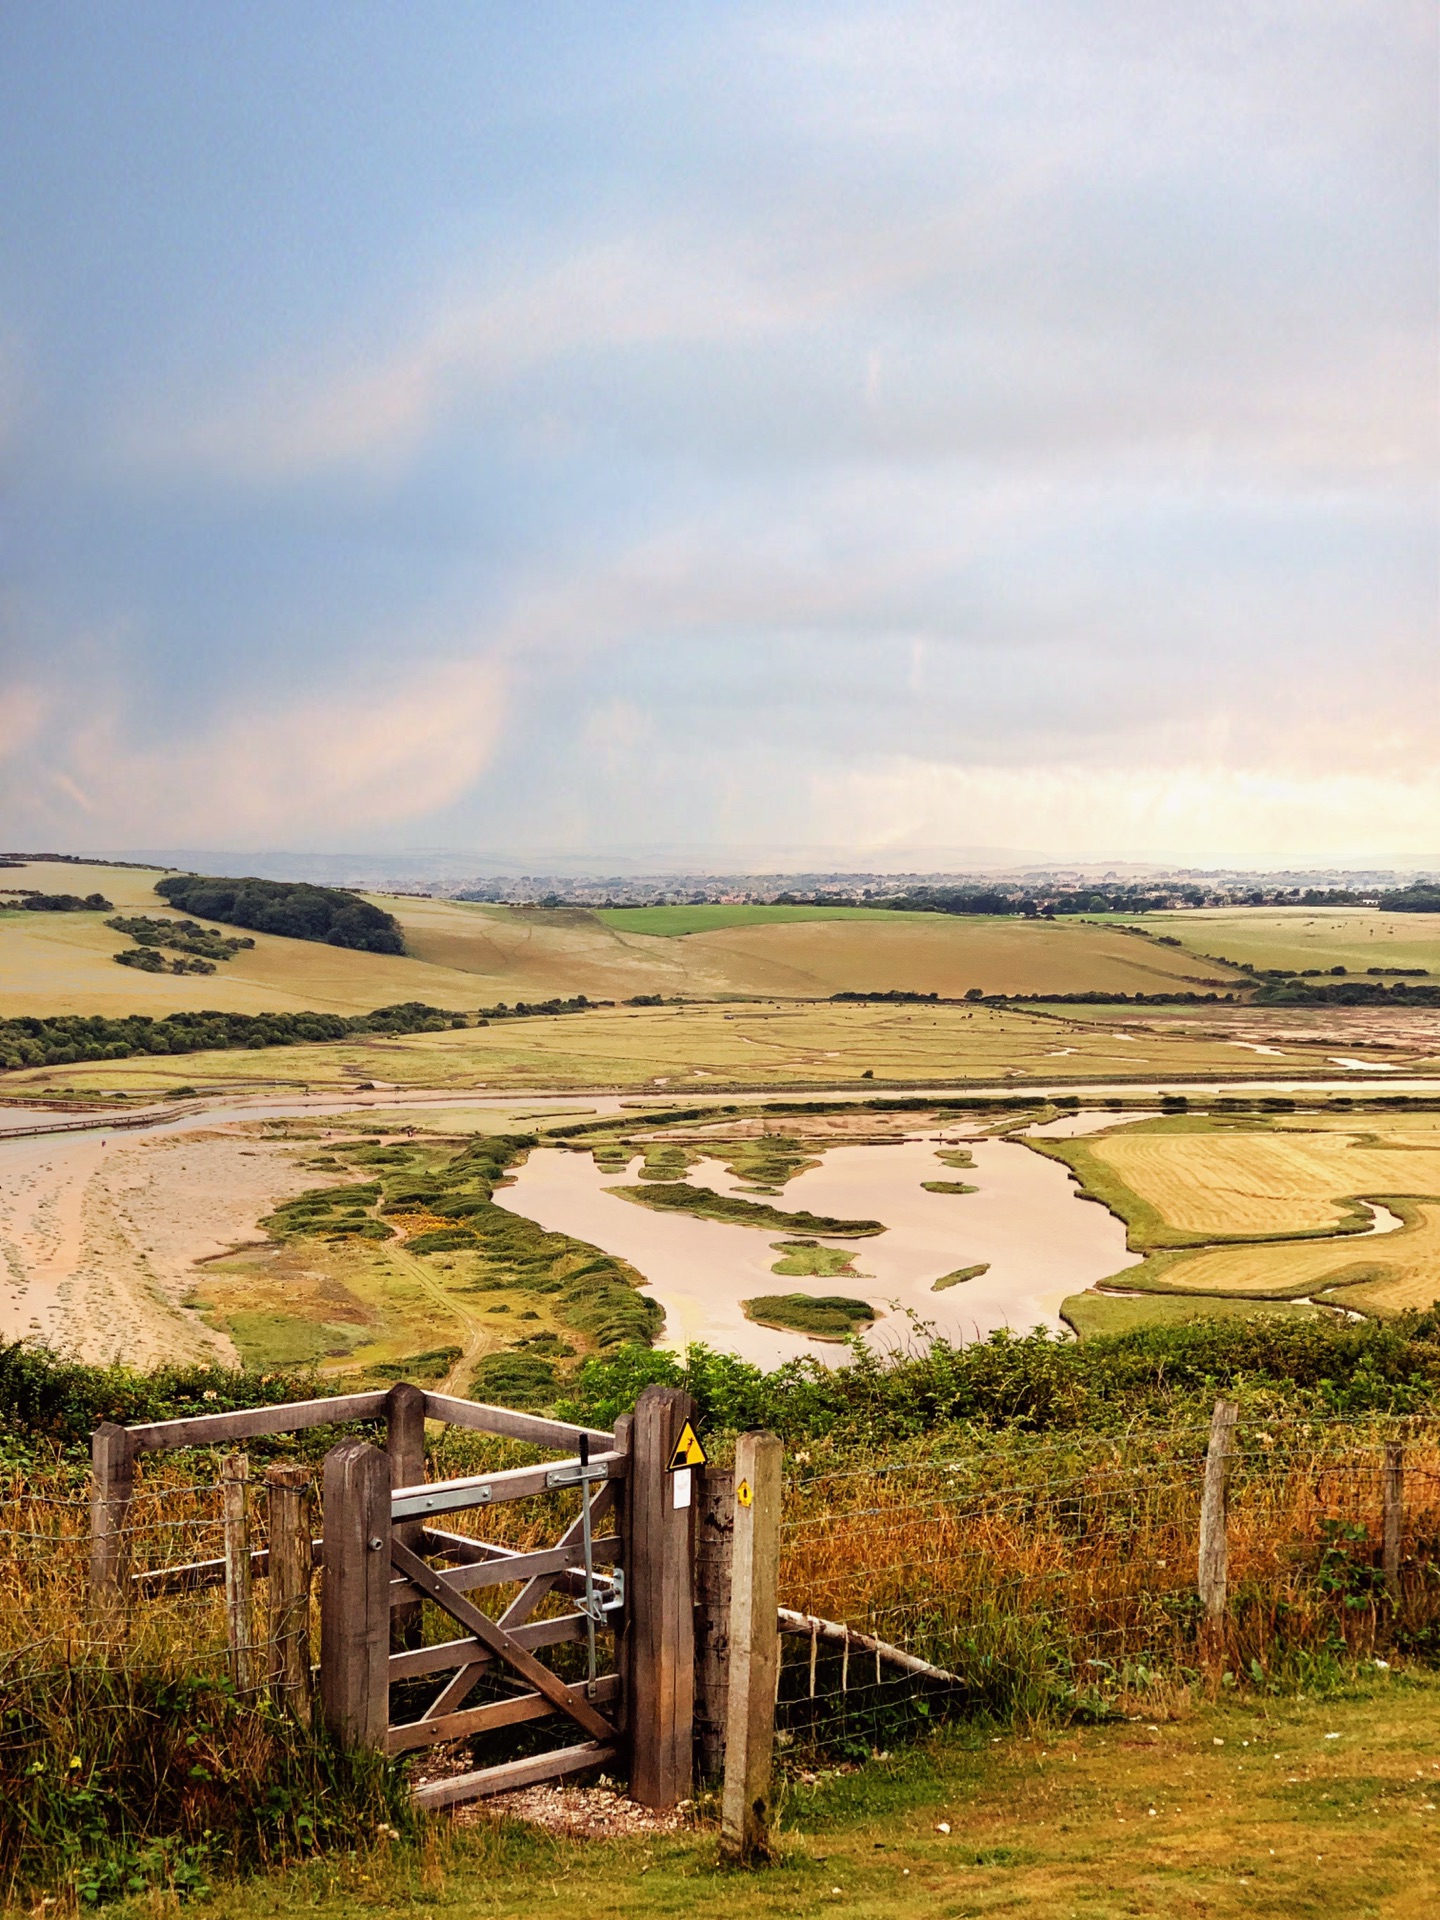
x,y
1284,1809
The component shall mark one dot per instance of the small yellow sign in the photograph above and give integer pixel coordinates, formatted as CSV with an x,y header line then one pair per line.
x,y
688,1450
743,1493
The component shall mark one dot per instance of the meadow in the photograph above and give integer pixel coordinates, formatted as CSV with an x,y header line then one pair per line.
x,y
1356,938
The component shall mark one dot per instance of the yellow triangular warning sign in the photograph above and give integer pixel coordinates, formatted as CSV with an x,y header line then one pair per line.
x,y
688,1450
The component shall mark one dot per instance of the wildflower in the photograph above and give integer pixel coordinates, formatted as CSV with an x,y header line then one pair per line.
x,y
74,1761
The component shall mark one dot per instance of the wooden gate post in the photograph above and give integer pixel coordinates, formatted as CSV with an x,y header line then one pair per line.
x,y
754,1650
659,1606
239,1607
405,1444
288,1528
355,1599
1213,1568
1392,1500
714,1537
112,1460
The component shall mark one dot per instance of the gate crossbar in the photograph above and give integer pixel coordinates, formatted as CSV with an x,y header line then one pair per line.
x,y
437,1588
482,1489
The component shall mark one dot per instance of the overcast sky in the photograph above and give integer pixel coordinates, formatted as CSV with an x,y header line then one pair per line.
x,y
891,429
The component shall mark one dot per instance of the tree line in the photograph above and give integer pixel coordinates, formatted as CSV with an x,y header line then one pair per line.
x,y
30,1040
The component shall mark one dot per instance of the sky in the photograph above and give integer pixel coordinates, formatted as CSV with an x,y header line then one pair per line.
x,y
872,431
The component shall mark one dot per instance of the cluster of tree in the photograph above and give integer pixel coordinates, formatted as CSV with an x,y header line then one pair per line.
x,y
1300,992
1424,897
526,1009
293,908
898,996
196,948
151,960
30,1040
1102,999
30,901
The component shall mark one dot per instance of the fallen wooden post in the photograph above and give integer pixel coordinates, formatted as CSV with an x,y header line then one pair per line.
x,y
835,1633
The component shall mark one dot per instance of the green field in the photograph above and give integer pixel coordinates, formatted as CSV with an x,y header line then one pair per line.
x,y
670,923
1276,1809
1356,938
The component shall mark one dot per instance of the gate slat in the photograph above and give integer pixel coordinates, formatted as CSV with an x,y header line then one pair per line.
x,y
518,1773
435,1587
459,1653
496,1713
513,1567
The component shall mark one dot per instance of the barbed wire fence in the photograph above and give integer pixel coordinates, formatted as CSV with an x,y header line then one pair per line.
x,y
1060,1573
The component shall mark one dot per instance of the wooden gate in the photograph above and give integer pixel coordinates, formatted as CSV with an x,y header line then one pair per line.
x,y
624,1561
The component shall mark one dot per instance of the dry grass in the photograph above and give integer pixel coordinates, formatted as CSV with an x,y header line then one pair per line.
x,y
1055,1572
698,1049
1399,1271
1217,1186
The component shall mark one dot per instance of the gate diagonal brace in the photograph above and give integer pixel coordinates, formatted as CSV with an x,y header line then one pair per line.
x,y
436,1588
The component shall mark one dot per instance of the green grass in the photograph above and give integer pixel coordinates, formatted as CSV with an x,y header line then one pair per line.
x,y
286,1340
1101,1313
807,1259
1256,1813
673,923
960,1275
830,1316
947,1186
679,1197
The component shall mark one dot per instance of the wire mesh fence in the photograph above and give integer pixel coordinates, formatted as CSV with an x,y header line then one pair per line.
x,y
1060,1573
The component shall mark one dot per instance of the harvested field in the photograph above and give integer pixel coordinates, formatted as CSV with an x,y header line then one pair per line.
x,y
1174,1186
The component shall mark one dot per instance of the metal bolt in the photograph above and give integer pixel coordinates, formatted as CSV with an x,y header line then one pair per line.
x,y
375,1545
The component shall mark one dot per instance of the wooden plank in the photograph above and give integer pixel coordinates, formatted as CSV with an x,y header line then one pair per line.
x,y
1213,1560
216,1429
516,1566
496,1713
490,1489
239,1597
112,1483
659,1641
288,1589
514,1426
355,1599
458,1653
746,1805
405,1445
714,1537
1392,1518
516,1773
435,1587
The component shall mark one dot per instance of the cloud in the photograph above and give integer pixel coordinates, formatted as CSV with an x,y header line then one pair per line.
x,y
1199,815
324,768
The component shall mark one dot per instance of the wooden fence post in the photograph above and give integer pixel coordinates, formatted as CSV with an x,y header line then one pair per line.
x,y
1213,1569
754,1650
239,1609
405,1444
714,1538
355,1597
1392,1499
288,1528
659,1603
112,1460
